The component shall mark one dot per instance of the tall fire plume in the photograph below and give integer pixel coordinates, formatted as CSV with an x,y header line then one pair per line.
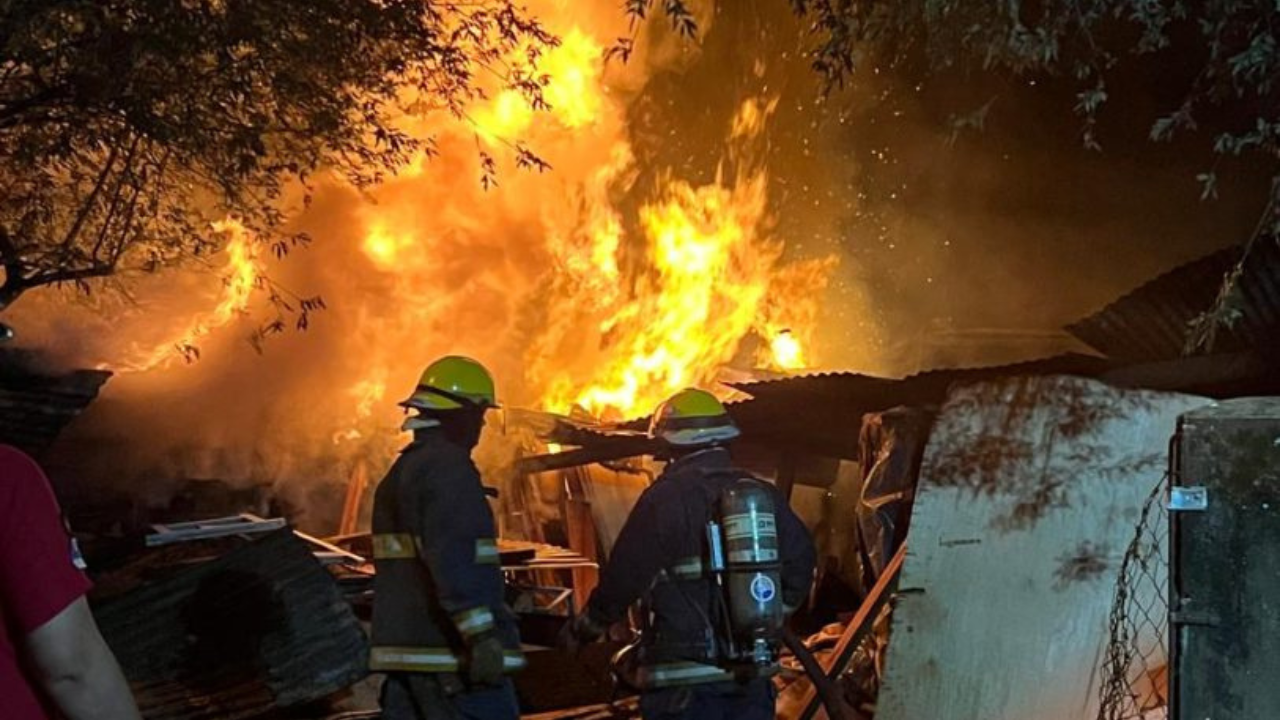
x,y
579,297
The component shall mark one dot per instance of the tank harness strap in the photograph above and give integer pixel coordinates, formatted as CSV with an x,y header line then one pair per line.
x,y
691,567
392,658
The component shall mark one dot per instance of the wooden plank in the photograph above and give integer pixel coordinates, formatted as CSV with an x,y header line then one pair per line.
x,y
243,524
858,627
550,564
606,450
1029,494
356,485
580,529
599,711
328,552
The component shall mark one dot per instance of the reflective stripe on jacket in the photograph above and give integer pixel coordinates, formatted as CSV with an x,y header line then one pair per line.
x,y
438,574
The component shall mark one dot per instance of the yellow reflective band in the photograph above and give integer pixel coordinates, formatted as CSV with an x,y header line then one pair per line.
x,y
387,658
394,546
487,552
513,660
474,621
412,659
682,673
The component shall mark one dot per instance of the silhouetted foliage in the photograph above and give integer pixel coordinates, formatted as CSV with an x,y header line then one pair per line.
x,y
1235,43
128,126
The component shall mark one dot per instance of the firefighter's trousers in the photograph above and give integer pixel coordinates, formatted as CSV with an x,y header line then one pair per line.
x,y
753,700
429,696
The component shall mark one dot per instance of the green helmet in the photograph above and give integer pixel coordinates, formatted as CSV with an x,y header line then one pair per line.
x,y
692,417
451,381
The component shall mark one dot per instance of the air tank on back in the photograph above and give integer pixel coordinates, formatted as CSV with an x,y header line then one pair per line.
x,y
752,568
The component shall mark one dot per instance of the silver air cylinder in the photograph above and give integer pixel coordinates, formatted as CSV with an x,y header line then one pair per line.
x,y
752,570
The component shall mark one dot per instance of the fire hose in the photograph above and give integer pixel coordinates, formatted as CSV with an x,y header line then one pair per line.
x,y
826,687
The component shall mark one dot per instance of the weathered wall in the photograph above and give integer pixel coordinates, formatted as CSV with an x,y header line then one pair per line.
x,y
1029,493
1226,566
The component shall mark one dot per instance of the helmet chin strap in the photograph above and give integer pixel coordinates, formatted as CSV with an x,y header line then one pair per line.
x,y
675,453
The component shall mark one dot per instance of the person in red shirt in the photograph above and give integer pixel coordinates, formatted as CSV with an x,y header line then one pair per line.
x,y
52,656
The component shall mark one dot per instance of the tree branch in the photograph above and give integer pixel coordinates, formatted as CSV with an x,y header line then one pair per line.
x,y
92,200
12,114
14,283
89,272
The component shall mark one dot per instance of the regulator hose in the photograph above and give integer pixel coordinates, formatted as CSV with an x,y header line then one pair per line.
x,y
825,686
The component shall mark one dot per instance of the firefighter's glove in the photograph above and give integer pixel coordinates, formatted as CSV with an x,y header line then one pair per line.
x,y
579,631
484,660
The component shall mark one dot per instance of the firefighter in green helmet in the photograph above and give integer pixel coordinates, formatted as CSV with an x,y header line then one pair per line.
x,y
690,661
441,631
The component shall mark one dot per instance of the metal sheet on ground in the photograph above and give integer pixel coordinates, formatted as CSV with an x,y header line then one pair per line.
x,y
260,628
1029,493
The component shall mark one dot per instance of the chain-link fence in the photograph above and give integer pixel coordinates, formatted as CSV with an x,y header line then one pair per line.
x,y
1135,667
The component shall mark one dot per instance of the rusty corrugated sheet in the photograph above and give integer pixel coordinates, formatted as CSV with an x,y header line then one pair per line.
x,y
822,413
1150,323
261,627
881,393
36,403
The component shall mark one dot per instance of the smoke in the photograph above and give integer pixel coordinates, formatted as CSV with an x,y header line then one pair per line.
x,y
551,279
961,252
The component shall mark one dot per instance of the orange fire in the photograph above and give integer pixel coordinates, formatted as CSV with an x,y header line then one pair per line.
x,y
240,277
710,278
785,352
581,303
572,91
632,320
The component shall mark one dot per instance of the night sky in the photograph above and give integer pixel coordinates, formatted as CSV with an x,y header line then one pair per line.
x,y
1013,228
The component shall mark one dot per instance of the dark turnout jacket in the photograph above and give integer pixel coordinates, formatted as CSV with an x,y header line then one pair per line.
x,y
439,581
659,556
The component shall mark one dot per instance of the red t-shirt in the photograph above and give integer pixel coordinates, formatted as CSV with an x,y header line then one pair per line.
x,y
38,577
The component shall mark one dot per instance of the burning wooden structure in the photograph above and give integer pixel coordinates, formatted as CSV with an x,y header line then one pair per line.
x,y
943,455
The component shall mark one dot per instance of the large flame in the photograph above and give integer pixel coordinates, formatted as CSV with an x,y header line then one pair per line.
x,y
693,302
618,342
240,278
710,278
601,286
709,275
572,91
785,352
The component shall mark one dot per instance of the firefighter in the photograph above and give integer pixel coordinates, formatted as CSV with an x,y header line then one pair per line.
x,y
661,558
441,631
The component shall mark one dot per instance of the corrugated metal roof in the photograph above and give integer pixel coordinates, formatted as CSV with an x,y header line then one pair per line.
x,y
261,627
822,413
35,404
817,413
921,388
1150,323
